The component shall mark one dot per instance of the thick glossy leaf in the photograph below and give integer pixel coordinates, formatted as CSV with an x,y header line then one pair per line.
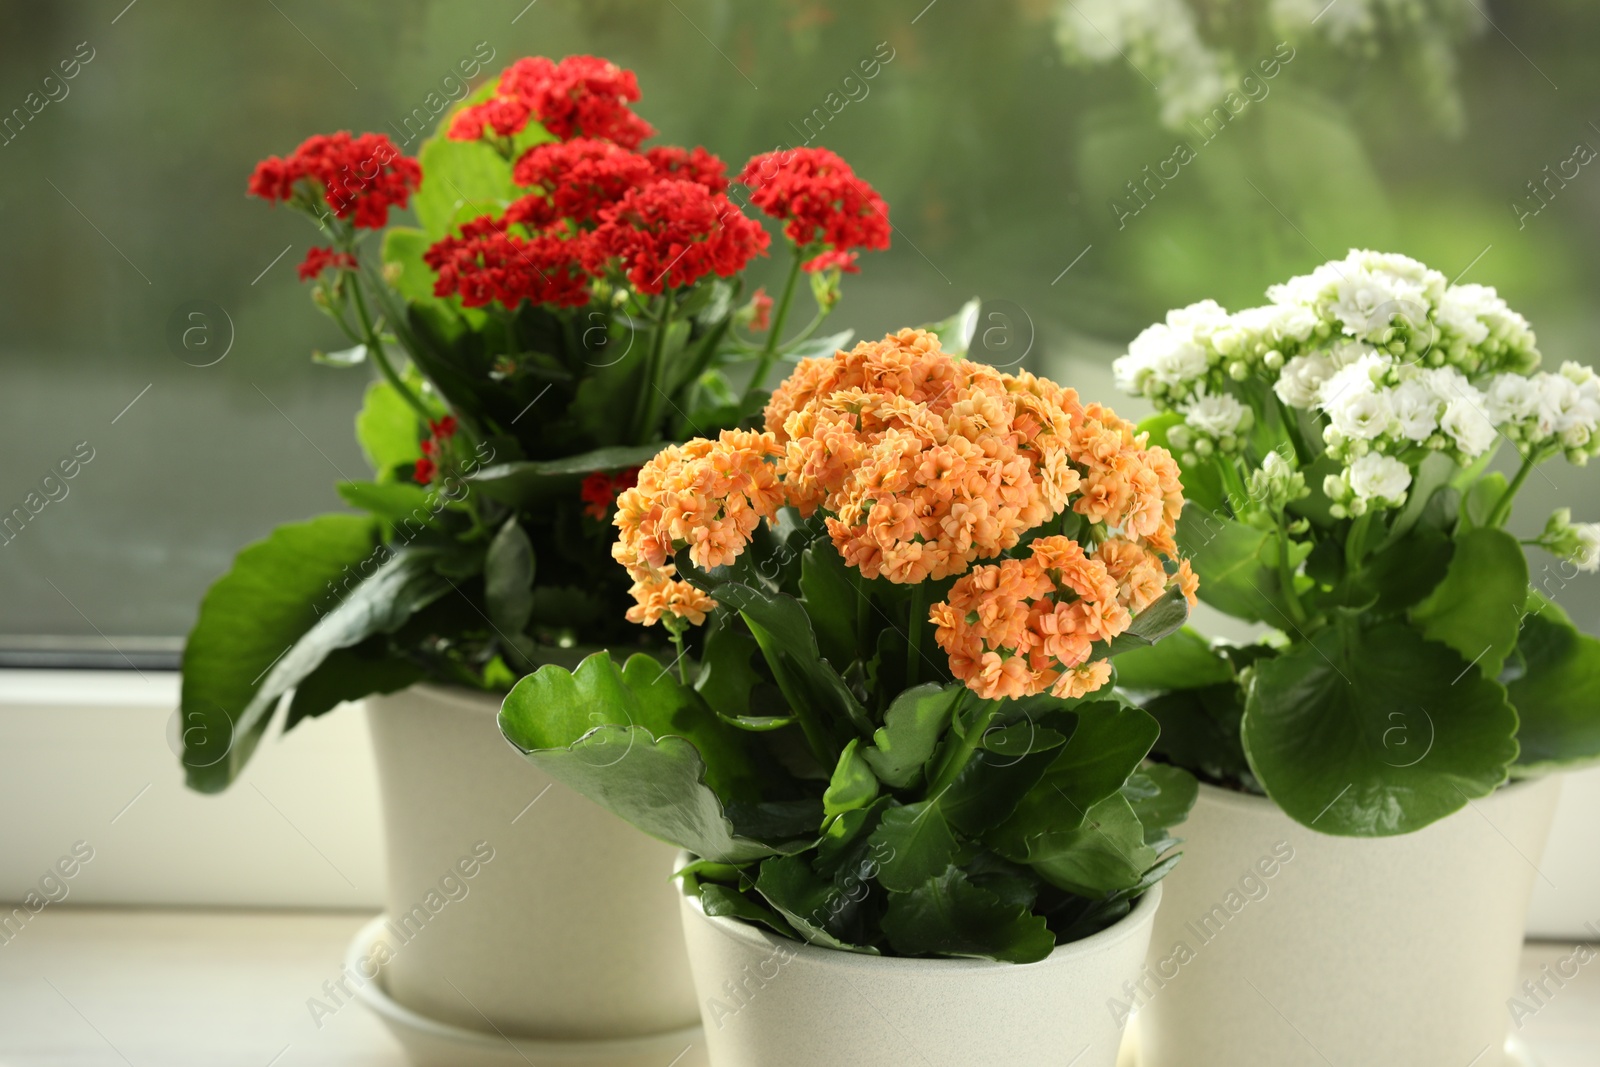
x,y
829,593
508,571
1367,733
815,691
720,900
276,591
1104,853
911,730
1184,660
394,502
1557,697
1162,796
991,785
350,674
403,247
387,428
1477,608
344,357
819,347
1161,619
726,675
949,916
853,784
1231,559
1200,731
1110,742
955,333
1405,572
526,483
463,179
813,905
913,844
681,762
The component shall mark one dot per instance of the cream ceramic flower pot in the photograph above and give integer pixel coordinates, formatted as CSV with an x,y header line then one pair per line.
x,y
514,904
1281,947
767,1001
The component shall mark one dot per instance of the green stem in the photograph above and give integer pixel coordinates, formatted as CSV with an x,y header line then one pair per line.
x,y
914,635
381,358
863,620
1233,484
769,351
1354,541
962,748
677,642
1502,507
1286,575
649,408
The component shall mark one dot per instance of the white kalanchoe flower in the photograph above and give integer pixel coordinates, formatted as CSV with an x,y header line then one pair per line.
x,y
1466,424
1416,411
1462,309
1378,479
1511,398
1577,542
1361,415
1302,378
1216,415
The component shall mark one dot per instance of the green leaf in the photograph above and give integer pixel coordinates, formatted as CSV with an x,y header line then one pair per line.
x,y
462,179
344,357
1477,607
1158,620
1232,560
829,594
1162,797
723,901
251,616
814,906
1105,852
913,843
395,502
819,347
726,676
911,730
1406,571
403,248
388,430
1368,733
1479,500
1200,731
1184,660
1557,697
508,572
526,483
682,763
350,674
955,333
853,784
949,916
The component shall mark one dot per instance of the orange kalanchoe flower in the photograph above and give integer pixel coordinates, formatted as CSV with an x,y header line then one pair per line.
x,y
708,496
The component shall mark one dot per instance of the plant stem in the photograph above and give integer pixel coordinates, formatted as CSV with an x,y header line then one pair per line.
x,y
962,748
1353,542
649,407
677,642
914,635
1286,575
381,358
1502,507
769,351
863,619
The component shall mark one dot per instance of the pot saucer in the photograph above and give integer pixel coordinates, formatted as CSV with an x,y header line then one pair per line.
x,y
430,1043
1517,1053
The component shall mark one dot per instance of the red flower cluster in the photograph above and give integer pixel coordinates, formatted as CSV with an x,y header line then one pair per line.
x,y
438,433
691,164
822,201
579,96
486,263
583,175
359,176
673,233
600,490
320,259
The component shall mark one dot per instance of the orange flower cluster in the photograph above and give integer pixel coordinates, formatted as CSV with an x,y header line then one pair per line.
x,y
708,496
1024,626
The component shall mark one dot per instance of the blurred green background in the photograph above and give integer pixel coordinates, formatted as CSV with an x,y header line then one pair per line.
x,y
1001,133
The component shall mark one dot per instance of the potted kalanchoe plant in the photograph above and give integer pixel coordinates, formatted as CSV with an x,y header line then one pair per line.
x,y
1335,446
891,740
569,301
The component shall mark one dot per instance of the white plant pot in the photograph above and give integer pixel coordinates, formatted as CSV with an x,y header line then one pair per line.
x,y
767,1001
1281,947
565,930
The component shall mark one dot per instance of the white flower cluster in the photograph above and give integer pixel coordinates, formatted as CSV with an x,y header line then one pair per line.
x,y
1578,542
1160,38
1387,359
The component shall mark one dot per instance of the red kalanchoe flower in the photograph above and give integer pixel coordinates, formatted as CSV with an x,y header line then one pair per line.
x,y
580,96
690,164
673,233
760,311
425,470
820,197
600,491
320,259
443,429
359,177
845,261
583,175
486,263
